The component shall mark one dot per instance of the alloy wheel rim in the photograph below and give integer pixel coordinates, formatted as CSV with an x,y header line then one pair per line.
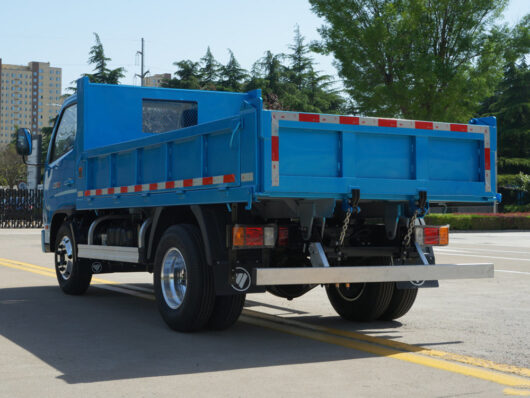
x,y
173,278
64,257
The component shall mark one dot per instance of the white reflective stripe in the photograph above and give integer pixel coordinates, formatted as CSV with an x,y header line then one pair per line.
x,y
288,116
218,179
275,173
274,124
197,182
145,187
92,192
488,180
368,121
441,126
105,191
330,119
161,185
179,183
473,128
247,177
130,188
407,124
487,138
79,194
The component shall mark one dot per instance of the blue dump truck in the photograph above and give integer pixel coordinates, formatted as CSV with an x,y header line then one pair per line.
x,y
218,197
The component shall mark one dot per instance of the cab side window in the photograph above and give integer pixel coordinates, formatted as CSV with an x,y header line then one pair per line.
x,y
65,136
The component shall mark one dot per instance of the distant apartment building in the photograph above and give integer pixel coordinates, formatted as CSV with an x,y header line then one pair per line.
x,y
29,97
156,80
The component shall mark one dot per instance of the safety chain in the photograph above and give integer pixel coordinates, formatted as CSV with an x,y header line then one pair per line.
x,y
345,225
408,236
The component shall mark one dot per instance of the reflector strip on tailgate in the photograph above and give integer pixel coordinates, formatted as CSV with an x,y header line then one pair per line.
x,y
372,121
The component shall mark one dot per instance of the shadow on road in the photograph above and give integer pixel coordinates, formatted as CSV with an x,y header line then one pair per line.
x,y
105,335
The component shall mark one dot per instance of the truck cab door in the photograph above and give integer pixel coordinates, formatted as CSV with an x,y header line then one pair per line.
x,y
59,183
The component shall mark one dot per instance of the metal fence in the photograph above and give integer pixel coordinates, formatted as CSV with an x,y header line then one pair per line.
x,y
20,208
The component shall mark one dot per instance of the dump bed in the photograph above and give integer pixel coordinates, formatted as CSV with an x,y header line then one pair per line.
x,y
389,159
227,149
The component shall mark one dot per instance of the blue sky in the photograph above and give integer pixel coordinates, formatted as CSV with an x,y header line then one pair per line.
x,y
60,32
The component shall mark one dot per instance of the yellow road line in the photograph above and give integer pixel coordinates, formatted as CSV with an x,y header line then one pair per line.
x,y
519,393
399,345
499,378
305,330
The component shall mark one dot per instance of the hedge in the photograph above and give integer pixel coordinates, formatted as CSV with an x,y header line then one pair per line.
x,y
513,165
481,222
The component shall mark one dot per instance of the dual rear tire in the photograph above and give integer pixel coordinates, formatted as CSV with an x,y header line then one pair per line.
x,y
364,302
184,286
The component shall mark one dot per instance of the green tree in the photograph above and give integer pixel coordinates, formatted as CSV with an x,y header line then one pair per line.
x,y
186,76
209,71
511,101
422,59
232,75
301,67
511,106
101,73
12,169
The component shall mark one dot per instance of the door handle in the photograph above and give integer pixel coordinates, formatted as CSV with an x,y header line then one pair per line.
x,y
69,182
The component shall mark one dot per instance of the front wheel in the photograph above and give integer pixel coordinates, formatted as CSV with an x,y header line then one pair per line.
x,y
182,280
73,276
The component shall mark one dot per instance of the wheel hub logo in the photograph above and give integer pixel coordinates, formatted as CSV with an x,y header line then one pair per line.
x,y
242,280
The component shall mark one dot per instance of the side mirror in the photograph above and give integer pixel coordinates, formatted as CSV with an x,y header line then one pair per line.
x,y
23,142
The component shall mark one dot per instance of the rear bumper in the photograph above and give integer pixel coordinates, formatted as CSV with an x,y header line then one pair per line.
x,y
376,273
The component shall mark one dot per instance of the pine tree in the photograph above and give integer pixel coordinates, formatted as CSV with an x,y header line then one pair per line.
x,y
209,71
102,74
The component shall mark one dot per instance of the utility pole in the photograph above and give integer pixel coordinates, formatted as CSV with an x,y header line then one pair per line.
x,y
142,73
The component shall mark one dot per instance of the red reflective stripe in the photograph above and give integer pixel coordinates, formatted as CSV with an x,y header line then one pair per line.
x,y
207,180
188,183
459,127
153,187
387,122
137,188
87,193
229,178
308,117
423,125
275,148
98,191
348,120
487,159
170,184
111,191
124,189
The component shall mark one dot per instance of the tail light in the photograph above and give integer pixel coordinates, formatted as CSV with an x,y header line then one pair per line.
x,y
427,235
253,237
283,236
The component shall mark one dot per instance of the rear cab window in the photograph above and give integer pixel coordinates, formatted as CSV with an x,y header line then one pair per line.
x,y
160,116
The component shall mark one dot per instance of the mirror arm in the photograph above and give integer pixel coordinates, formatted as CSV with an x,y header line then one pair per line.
x,y
31,164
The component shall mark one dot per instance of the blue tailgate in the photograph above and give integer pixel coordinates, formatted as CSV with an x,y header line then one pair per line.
x,y
311,155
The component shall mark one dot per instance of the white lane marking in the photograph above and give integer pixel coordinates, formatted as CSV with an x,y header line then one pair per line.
x,y
478,255
450,250
466,249
512,272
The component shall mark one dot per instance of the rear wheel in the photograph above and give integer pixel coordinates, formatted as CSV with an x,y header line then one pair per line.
x,y
401,302
361,301
226,311
73,276
182,280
